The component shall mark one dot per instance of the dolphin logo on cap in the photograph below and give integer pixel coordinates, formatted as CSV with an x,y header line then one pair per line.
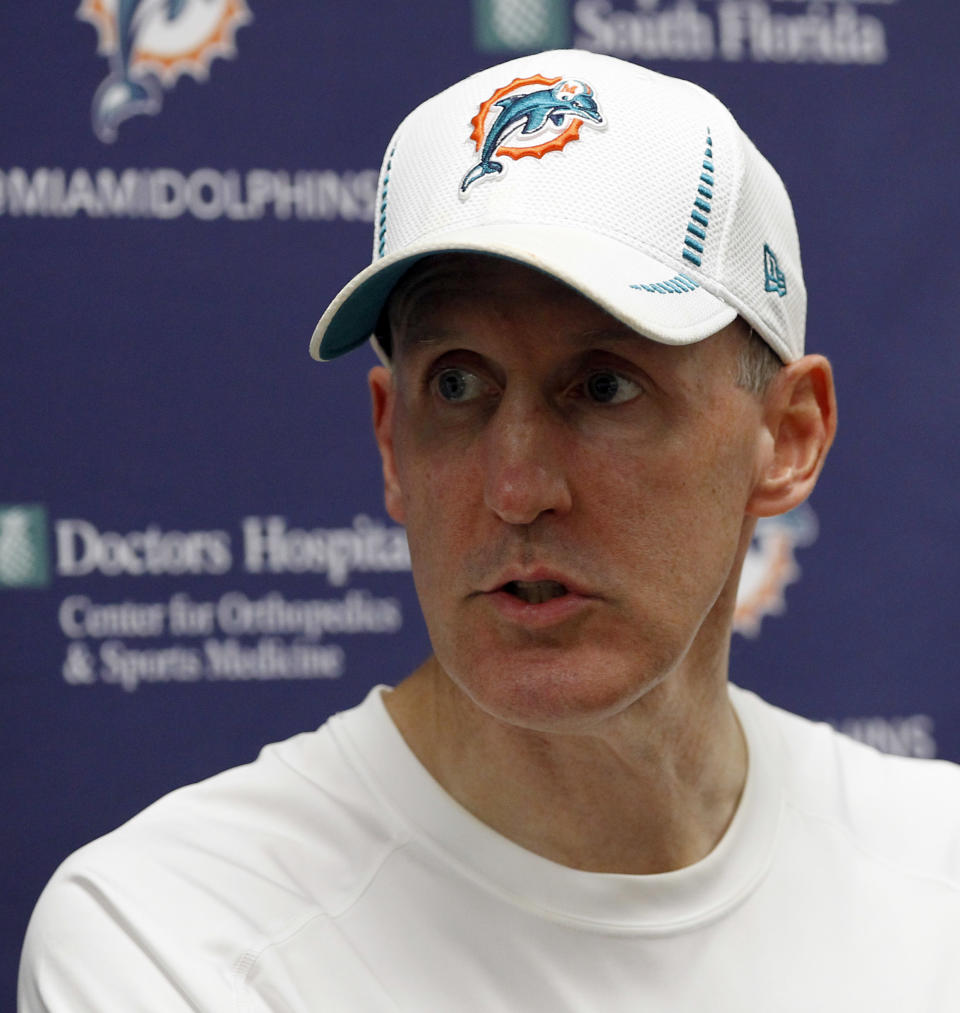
x,y
527,113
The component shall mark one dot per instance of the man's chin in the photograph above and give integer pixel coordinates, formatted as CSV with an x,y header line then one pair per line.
x,y
569,694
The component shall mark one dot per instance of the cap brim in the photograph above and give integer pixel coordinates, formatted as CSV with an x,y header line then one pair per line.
x,y
655,298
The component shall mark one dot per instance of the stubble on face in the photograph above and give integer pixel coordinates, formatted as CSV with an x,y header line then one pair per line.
x,y
639,505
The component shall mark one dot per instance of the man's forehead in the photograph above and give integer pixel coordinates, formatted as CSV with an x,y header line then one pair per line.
x,y
441,290
440,275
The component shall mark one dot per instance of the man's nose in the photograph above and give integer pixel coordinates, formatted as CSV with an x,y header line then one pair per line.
x,y
526,447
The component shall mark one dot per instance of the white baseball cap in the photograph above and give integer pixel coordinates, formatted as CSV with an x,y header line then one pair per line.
x,y
636,189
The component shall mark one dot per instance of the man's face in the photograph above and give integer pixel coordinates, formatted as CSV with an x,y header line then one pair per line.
x,y
575,495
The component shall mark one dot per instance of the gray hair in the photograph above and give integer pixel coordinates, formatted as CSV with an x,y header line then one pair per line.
x,y
757,363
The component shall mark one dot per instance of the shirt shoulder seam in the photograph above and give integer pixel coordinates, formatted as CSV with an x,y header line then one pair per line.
x,y
248,959
903,868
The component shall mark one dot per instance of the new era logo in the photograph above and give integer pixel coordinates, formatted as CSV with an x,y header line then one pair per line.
x,y
774,281
23,546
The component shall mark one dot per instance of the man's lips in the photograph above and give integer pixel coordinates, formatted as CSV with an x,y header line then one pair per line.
x,y
536,586
535,592
537,598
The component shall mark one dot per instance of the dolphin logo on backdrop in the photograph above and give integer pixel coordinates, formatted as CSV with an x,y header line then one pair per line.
x,y
536,121
771,565
149,44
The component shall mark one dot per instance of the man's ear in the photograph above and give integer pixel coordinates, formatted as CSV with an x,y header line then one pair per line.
x,y
382,396
800,419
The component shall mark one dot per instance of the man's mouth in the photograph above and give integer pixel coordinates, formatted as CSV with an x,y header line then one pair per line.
x,y
535,592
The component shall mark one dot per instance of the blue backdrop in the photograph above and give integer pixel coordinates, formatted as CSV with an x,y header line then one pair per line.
x,y
194,555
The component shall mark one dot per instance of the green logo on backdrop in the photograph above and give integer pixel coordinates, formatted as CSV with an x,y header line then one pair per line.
x,y
520,25
23,546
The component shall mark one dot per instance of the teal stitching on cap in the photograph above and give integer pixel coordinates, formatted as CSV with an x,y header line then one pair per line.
x,y
699,222
382,234
674,286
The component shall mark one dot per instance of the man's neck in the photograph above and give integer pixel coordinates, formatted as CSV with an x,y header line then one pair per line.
x,y
648,791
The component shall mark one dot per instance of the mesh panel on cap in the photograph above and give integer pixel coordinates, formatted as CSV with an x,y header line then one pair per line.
x,y
764,217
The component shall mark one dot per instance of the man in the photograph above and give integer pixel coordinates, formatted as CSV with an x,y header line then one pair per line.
x,y
590,311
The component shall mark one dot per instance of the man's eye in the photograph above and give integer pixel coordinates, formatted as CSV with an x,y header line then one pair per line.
x,y
457,385
607,387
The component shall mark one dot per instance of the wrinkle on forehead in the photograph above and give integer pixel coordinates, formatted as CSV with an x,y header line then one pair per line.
x,y
449,276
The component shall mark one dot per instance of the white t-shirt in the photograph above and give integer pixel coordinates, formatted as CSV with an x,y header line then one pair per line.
x,y
334,874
